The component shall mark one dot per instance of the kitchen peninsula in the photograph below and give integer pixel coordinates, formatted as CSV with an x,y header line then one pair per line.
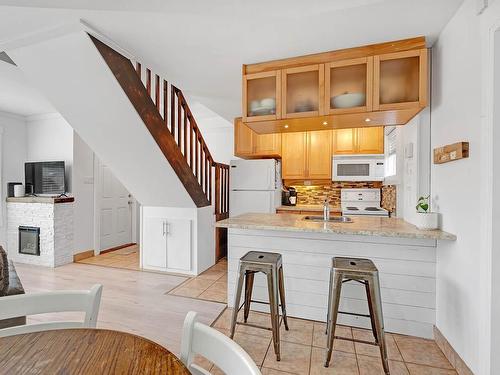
x,y
404,255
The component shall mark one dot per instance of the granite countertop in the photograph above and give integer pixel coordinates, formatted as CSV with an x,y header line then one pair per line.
x,y
365,226
308,207
30,199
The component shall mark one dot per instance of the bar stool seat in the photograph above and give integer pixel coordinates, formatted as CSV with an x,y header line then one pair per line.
x,y
365,272
271,265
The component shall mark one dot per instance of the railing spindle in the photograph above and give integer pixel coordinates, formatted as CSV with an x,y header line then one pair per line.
x,y
191,138
179,120
148,81
172,110
138,69
157,91
165,102
196,154
185,135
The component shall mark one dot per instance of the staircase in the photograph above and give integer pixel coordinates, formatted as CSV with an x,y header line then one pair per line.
x,y
165,112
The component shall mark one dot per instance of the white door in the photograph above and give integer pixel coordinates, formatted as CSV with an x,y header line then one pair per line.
x,y
178,244
114,205
154,243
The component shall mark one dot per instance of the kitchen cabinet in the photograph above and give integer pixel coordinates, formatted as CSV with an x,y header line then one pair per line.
x,y
262,96
386,83
368,140
302,91
348,85
307,155
250,145
400,80
166,244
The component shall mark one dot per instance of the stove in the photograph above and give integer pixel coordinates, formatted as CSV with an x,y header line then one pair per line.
x,y
361,202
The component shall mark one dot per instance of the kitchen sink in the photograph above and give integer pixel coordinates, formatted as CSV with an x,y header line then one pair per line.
x,y
333,219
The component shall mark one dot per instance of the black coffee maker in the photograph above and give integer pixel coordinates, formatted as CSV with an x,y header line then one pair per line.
x,y
288,196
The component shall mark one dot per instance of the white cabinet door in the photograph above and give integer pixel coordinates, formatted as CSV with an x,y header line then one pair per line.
x,y
179,244
154,243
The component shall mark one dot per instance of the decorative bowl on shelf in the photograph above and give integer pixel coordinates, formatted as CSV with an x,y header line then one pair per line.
x,y
348,100
266,106
269,103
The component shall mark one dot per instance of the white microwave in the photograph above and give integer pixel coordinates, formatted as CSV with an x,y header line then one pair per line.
x,y
358,168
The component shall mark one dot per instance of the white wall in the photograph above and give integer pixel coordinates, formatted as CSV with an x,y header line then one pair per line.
x,y
220,142
456,116
50,138
13,153
83,190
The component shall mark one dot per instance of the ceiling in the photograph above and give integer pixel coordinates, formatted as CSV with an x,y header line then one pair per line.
x,y
17,96
200,45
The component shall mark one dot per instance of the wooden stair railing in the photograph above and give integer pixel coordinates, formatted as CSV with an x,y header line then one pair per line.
x,y
166,114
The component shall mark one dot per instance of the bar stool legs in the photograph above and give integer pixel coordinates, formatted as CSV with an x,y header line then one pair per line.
x,y
333,308
362,271
270,264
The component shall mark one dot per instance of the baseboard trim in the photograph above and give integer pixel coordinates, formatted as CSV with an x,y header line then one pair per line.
x,y
117,248
83,255
451,354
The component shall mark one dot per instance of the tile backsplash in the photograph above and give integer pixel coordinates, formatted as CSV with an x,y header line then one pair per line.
x,y
389,198
316,194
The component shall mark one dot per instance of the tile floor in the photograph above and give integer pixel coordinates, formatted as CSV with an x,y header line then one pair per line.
x,y
303,349
127,258
210,285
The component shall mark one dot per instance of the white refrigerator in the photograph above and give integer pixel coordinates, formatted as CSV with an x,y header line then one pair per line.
x,y
255,186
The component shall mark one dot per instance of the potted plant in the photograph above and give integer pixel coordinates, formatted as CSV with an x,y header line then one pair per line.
x,y
426,220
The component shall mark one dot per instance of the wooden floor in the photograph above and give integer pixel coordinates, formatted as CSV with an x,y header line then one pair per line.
x,y
127,258
132,301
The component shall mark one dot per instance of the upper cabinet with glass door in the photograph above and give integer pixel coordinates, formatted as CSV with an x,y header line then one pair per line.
x,y
302,91
400,80
348,86
262,96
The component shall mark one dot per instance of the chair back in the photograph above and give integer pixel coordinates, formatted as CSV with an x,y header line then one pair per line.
x,y
86,301
198,338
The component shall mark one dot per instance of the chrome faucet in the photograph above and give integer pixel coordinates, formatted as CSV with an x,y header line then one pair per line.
x,y
326,210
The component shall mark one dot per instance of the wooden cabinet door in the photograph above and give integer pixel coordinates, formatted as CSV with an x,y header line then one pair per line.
x,y
303,90
267,145
243,139
259,90
400,80
370,140
294,155
319,154
344,141
354,76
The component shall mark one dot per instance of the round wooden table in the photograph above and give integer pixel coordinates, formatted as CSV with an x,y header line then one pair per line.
x,y
85,351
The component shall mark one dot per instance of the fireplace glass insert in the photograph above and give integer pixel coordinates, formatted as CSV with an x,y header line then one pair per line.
x,y
29,240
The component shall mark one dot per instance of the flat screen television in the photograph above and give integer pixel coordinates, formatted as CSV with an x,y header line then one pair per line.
x,y
45,178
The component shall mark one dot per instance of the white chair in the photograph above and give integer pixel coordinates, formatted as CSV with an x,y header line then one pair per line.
x,y
87,301
198,338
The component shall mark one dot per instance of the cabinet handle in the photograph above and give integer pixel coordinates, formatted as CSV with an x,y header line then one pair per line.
x,y
164,227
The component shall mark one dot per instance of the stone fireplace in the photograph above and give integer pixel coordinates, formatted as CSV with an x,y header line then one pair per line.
x,y
40,230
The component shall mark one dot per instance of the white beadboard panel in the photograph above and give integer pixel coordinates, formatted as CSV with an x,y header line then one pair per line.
x,y
406,327
338,248
358,303
315,265
407,271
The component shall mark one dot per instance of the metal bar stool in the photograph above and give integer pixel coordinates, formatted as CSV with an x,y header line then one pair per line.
x,y
362,271
270,264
